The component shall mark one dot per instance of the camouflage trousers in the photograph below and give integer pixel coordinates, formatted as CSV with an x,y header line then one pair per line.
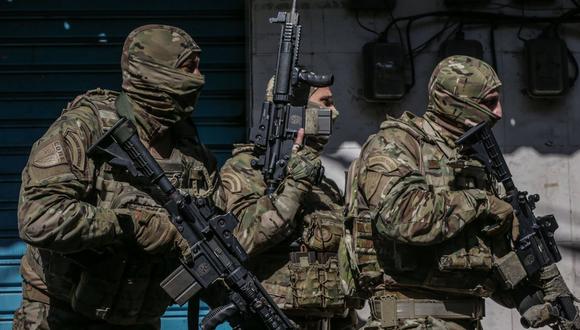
x,y
427,323
34,315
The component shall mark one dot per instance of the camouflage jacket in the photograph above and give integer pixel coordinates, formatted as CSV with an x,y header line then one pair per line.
x,y
418,208
68,214
274,229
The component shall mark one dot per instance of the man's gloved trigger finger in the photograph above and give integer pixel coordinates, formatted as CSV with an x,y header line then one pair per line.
x,y
299,140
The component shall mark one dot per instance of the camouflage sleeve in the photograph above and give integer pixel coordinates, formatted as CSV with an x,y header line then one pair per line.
x,y
55,181
407,210
264,221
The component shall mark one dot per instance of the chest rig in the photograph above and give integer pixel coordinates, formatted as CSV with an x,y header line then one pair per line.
x,y
301,272
122,284
460,265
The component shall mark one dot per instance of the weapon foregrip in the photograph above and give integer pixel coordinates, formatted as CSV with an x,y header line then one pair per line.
x,y
218,316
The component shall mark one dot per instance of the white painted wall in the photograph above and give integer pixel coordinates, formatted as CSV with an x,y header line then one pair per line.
x,y
541,138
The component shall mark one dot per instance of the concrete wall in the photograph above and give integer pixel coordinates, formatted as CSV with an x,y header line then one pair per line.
x,y
541,138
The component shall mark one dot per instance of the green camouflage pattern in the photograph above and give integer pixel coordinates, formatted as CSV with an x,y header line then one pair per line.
x,y
304,165
411,195
298,211
159,92
95,243
456,87
427,323
417,207
315,285
244,190
408,184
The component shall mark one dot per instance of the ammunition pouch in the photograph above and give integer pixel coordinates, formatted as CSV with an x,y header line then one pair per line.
x,y
390,311
323,233
315,282
476,257
509,270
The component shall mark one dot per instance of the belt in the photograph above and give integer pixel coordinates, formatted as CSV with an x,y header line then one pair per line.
x,y
389,309
312,256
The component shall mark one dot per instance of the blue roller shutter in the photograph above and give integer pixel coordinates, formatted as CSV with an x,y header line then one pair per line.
x,y
51,51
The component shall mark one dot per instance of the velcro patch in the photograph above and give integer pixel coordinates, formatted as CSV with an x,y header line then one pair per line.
x,y
382,161
231,182
49,154
433,164
76,150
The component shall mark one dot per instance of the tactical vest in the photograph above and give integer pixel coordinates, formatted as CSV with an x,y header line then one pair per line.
x,y
121,283
460,265
301,273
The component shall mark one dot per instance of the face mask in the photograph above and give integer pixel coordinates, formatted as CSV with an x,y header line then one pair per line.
x,y
456,88
161,94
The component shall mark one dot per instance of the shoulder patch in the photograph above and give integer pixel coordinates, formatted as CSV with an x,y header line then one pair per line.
x,y
232,182
242,148
382,161
49,153
76,150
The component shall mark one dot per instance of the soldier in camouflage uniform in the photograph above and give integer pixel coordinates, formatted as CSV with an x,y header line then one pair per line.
x,y
292,236
424,226
98,246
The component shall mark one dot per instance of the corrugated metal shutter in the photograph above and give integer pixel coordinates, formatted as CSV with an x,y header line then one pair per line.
x,y
51,51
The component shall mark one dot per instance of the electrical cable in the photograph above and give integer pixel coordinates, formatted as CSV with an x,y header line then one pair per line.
x,y
491,17
574,62
554,32
364,27
434,37
492,46
397,27
475,17
497,5
519,34
411,56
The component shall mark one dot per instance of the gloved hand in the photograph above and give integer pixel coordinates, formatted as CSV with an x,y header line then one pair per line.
x,y
155,233
539,315
152,231
553,286
501,215
148,226
546,314
304,164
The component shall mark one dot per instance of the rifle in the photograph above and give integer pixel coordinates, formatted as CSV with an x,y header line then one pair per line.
x,y
216,253
535,247
282,117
